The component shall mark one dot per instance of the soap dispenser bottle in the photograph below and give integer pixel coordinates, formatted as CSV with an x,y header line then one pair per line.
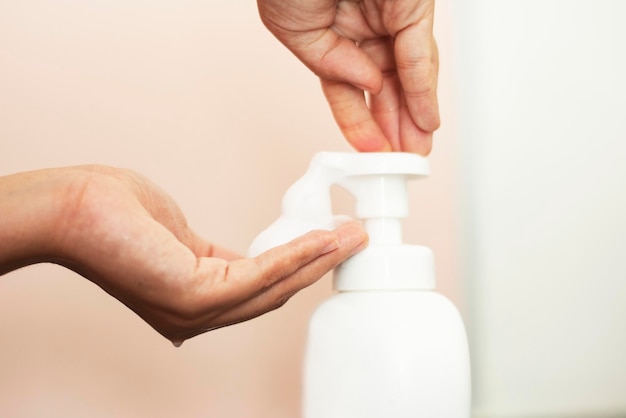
x,y
386,345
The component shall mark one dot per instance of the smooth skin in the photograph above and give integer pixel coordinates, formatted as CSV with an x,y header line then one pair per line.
x,y
123,233
383,47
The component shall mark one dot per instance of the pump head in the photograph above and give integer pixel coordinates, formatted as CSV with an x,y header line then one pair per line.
x,y
378,183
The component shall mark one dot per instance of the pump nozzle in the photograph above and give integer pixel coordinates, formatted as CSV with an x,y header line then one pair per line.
x,y
378,183
376,180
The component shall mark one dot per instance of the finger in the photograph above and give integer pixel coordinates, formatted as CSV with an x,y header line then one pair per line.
x,y
417,62
412,137
350,238
214,292
353,117
385,106
389,107
252,276
347,238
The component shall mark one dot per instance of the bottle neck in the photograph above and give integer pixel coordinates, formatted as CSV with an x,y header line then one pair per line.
x,y
384,231
387,267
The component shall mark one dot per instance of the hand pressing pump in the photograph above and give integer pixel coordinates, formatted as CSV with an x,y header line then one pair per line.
x,y
386,345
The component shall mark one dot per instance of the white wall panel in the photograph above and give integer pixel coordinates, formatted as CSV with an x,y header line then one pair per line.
x,y
543,121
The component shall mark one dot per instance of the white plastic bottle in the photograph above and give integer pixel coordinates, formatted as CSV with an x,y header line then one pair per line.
x,y
386,345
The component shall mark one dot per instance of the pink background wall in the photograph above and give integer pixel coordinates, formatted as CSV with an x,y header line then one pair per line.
x,y
200,98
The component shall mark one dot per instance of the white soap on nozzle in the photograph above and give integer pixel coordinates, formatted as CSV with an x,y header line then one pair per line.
x,y
376,180
386,345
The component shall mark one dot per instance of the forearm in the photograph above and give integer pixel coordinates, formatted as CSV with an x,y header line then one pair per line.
x,y
31,204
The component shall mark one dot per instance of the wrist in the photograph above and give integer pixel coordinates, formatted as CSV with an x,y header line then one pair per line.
x,y
32,206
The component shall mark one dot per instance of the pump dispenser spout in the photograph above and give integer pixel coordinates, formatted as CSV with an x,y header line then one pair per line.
x,y
386,344
378,183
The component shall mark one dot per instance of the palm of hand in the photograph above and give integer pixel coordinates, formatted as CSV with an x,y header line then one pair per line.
x,y
130,238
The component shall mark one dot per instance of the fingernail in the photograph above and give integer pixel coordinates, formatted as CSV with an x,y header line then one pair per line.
x,y
359,247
